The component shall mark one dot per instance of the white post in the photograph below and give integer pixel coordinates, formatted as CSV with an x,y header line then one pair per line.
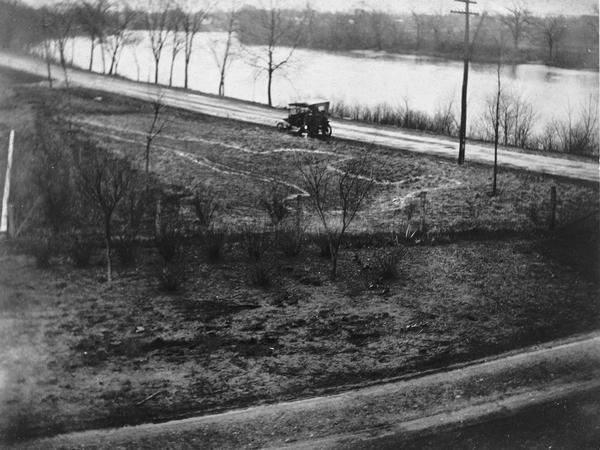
x,y
4,220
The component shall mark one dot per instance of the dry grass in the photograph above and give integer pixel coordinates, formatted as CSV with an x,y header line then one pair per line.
x,y
74,346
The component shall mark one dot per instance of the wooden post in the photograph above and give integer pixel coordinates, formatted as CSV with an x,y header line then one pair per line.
x,y
11,221
157,218
463,104
4,219
552,208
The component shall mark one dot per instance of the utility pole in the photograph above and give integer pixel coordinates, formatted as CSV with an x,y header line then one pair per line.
x,y
467,56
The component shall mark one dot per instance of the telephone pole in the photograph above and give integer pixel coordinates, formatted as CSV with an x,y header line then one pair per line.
x,y
467,56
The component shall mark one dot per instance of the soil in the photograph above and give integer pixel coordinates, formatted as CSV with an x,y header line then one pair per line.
x,y
79,352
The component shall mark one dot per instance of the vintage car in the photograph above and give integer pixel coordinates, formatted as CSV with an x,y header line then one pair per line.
x,y
310,117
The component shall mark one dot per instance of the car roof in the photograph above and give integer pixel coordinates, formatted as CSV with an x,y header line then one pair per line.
x,y
310,102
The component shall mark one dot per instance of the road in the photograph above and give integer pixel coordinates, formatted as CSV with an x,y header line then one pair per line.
x,y
380,415
253,113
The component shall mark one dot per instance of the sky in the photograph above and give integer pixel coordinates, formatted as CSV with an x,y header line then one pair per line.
x,y
538,7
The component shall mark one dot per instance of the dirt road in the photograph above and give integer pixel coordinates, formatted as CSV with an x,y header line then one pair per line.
x,y
440,400
243,111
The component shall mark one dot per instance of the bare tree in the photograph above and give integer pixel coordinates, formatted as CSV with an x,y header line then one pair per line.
x,y
518,20
156,127
515,118
61,26
93,19
496,116
8,21
378,24
46,41
580,136
552,30
419,20
157,25
273,29
104,181
224,59
177,39
119,35
436,24
191,21
344,190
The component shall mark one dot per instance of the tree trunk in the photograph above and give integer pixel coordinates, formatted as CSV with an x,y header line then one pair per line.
x,y
49,69
187,65
269,86
93,39
103,57
496,135
222,82
113,61
334,261
147,156
171,70
156,61
108,248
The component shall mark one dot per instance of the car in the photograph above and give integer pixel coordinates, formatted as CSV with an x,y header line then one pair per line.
x,y
310,117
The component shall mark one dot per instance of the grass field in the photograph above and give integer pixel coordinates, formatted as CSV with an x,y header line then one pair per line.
x,y
79,352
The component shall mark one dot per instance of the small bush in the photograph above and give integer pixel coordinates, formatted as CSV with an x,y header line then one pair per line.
x,y
169,240
321,240
274,204
381,265
171,276
255,243
126,250
214,242
259,275
290,241
388,262
80,251
205,206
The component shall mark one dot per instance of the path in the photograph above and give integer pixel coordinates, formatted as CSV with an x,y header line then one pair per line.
x,y
247,112
462,394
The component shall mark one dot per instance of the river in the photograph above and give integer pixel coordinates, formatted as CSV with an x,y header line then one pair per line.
x,y
365,78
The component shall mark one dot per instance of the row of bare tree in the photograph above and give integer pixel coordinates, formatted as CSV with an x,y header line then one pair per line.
x,y
171,27
533,38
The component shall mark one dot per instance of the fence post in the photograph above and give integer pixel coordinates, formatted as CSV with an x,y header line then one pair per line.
x,y
11,221
552,208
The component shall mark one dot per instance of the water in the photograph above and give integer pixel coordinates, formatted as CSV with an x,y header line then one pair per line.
x,y
365,78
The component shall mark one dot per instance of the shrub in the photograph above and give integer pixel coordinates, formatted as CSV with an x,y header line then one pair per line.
x,y
274,204
321,239
255,243
381,265
388,262
80,251
290,241
205,206
168,239
126,249
171,276
259,275
214,241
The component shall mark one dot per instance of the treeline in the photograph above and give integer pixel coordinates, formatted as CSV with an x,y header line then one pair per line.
x,y
522,37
